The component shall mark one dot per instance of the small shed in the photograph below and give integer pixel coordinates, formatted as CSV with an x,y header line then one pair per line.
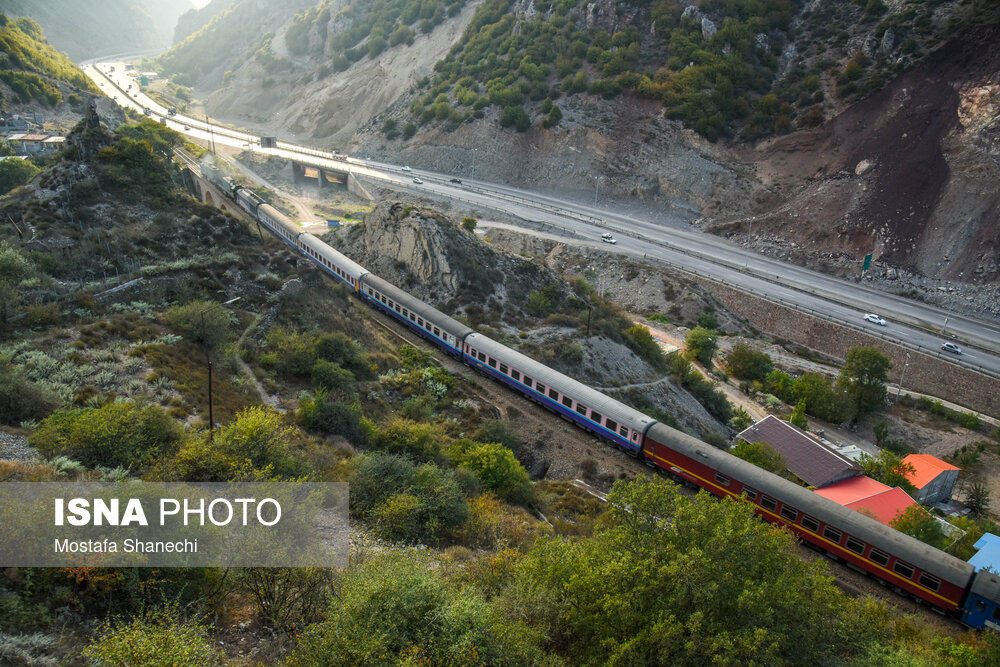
x,y
806,456
935,479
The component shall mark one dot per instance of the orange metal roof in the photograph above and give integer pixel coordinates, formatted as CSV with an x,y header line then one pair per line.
x,y
926,468
854,488
885,505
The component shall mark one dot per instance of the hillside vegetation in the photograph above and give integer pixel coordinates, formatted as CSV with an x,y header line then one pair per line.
x,y
94,28
745,68
29,65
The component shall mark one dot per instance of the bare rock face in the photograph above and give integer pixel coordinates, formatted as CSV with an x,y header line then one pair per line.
x,y
405,236
431,256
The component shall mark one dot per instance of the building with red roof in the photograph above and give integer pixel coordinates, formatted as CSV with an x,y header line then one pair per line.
x,y
868,496
935,480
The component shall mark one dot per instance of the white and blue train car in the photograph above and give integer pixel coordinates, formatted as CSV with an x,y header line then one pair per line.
x,y
600,414
445,332
333,262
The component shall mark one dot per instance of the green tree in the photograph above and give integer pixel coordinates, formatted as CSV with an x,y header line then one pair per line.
x,y
158,638
701,344
204,323
691,582
822,399
916,522
419,441
863,376
798,416
977,498
761,455
516,117
889,469
747,363
15,172
496,467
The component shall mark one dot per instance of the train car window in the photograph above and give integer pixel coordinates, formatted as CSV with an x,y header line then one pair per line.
x,y
810,523
492,362
767,502
996,613
482,357
515,375
582,409
527,381
623,431
540,388
789,513
567,401
721,479
596,416
382,298
413,318
420,321
395,307
832,534
612,424
879,557
504,369
749,494
927,581
904,569
635,436
553,394
437,332
980,605
857,546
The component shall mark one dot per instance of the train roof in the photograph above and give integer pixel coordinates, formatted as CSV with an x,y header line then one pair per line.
x,y
986,585
449,324
352,268
278,218
913,551
590,397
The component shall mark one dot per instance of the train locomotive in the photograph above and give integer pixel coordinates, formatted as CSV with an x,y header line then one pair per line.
x,y
899,561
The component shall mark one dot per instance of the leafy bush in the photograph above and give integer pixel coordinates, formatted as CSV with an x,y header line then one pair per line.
x,y
432,504
155,639
496,467
641,342
21,399
117,434
320,412
701,344
330,375
419,441
255,445
747,363
395,608
15,172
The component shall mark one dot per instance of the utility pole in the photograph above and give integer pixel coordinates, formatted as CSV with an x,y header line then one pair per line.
x,y
899,385
208,363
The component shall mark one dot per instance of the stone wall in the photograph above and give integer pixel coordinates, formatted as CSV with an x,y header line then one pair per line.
x,y
925,373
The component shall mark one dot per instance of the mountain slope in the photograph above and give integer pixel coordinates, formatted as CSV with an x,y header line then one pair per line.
x,y
34,75
93,28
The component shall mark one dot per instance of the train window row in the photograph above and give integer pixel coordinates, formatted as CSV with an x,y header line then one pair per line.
x,y
409,314
834,535
327,263
594,416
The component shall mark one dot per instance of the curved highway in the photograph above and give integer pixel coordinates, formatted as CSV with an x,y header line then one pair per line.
x,y
912,324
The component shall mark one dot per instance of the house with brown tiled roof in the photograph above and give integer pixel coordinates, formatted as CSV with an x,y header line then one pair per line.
x,y
809,459
935,479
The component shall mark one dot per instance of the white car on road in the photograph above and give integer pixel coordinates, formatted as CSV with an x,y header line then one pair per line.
x,y
875,319
951,347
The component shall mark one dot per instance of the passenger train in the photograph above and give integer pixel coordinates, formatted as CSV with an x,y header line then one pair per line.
x,y
899,561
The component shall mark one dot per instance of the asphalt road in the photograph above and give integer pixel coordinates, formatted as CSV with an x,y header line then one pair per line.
x,y
916,325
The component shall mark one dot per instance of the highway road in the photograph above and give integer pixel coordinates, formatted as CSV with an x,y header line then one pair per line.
x,y
910,323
